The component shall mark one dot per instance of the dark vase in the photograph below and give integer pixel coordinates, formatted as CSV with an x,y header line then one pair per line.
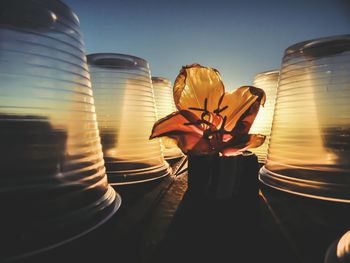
x,y
217,177
221,206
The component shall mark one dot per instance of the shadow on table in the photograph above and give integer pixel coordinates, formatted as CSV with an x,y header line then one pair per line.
x,y
207,230
310,225
119,239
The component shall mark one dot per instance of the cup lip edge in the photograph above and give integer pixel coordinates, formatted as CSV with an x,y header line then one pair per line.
x,y
74,15
299,47
157,79
267,73
56,7
93,57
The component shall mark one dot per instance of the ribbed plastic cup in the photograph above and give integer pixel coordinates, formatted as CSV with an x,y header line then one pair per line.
x,y
310,140
53,185
163,95
267,81
126,113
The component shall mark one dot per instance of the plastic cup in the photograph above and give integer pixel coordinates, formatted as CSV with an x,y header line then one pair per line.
x,y
126,113
310,140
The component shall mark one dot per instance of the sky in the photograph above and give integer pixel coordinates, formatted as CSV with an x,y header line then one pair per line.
x,y
240,38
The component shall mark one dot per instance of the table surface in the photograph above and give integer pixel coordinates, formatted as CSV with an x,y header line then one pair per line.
x,y
160,222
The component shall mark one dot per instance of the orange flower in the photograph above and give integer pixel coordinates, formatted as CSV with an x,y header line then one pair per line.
x,y
209,120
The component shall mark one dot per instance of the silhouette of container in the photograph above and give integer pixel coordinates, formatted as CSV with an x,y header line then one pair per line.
x,y
310,139
267,81
126,112
53,186
163,95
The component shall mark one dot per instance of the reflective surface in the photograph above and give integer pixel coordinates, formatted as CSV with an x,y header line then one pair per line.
x,y
310,140
126,113
53,185
262,124
163,95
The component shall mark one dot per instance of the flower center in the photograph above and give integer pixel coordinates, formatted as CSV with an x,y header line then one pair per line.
x,y
210,130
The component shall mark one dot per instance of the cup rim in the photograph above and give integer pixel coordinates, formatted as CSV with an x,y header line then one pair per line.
x,y
267,73
116,60
161,80
306,47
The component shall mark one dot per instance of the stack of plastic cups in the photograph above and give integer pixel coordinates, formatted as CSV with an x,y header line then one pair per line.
x,y
126,113
310,139
165,105
53,185
267,81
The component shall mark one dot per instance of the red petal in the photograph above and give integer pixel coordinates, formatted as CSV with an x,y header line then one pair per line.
x,y
191,144
189,137
241,143
175,124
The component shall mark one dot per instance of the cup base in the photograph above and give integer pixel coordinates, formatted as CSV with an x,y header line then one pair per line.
x,y
317,190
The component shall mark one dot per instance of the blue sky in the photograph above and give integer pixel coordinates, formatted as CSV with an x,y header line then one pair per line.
x,y
240,38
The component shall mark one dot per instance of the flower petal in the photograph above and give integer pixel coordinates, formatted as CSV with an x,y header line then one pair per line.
x,y
241,143
175,123
187,145
196,84
189,138
242,107
246,121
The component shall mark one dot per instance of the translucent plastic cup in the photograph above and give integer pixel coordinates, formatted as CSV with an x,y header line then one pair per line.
x,y
53,185
163,94
310,140
267,81
126,113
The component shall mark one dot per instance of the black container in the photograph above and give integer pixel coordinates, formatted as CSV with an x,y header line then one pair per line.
x,y
217,177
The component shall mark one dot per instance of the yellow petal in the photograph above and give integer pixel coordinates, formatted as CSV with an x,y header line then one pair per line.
x,y
239,102
194,85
